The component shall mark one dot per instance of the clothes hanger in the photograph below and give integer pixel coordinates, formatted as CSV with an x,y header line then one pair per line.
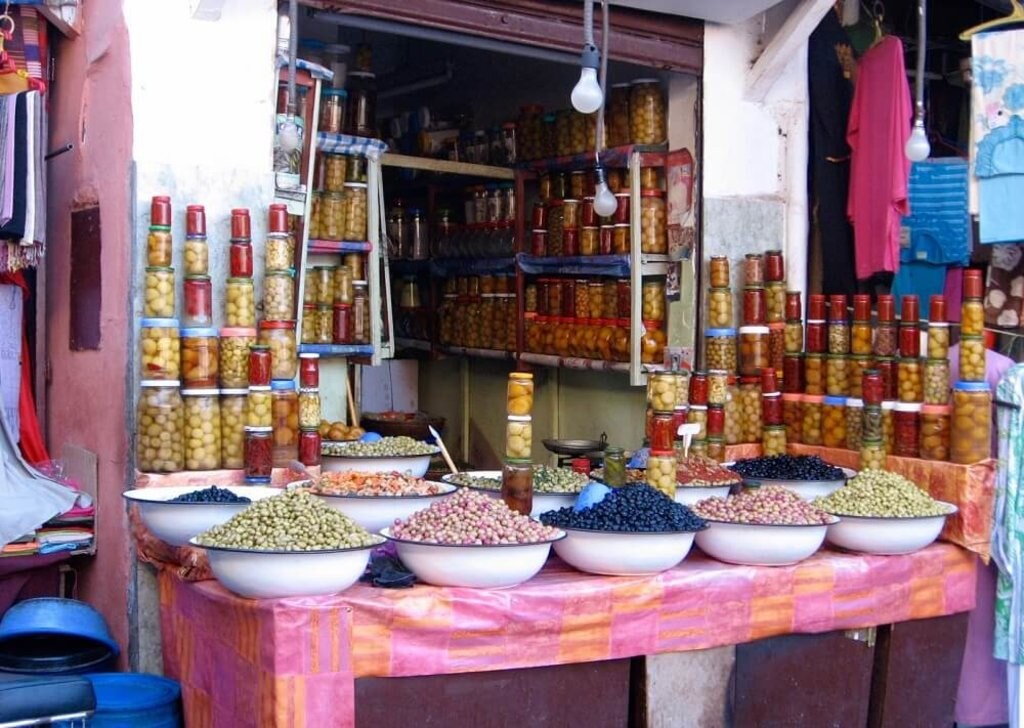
x,y
1016,16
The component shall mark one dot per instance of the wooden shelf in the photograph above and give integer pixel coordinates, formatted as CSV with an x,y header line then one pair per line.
x,y
480,353
567,362
334,246
337,350
466,169
651,155
417,344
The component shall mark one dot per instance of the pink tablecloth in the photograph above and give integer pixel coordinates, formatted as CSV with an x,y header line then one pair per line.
x,y
292,662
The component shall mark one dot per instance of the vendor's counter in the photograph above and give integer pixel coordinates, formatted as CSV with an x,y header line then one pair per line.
x,y
971,488
293,662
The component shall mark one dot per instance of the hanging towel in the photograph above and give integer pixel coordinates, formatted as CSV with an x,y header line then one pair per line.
x,y
997,133
939,226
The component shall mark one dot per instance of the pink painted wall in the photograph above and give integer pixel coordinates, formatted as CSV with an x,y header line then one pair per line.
x,y
91,108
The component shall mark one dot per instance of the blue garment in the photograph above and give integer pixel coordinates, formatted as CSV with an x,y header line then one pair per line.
x,y
919,279
939,224
1000,172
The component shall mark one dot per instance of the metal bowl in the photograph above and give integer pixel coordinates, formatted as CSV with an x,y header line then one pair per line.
x,y
576,447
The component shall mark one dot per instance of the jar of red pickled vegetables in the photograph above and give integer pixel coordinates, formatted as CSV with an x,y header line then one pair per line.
x,y
259,454
309,447
906,429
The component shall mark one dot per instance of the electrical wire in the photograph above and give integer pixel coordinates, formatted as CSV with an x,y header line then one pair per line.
x,y
588,22
602,79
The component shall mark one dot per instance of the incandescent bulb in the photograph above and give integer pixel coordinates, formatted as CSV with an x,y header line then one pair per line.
x,y
604,200
587,96
917,148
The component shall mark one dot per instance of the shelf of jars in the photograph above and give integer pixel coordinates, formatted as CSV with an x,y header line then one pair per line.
x,y
477,352
350,145
651,155
340,350
569,362
593,265
446,166
330,247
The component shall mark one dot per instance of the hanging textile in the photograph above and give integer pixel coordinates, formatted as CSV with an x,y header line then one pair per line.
x,y
997,133
22,180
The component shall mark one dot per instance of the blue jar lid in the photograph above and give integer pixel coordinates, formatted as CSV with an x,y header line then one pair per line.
x,y
282,385
340,92
835,401
159,323
971,387
200,331
257,479
711,333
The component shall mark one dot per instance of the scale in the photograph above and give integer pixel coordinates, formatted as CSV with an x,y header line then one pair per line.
x,y
569,449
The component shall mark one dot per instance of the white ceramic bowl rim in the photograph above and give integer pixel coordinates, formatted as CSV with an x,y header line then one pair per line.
x,y
716,485
352,496
631,533
386,533
835,520
134,496
436,451
193,542
952,510
847,474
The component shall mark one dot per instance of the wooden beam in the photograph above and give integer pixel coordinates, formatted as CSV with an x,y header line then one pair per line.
x,y
65,18
784,44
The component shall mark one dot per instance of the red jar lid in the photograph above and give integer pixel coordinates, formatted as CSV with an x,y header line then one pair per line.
x,y
241,227
774,266
769,383
973,287
861,307
651,193
278,222
160,211
277,325
886,307
195,220
750,380
794,308
937,309
816,307
837,307
911,310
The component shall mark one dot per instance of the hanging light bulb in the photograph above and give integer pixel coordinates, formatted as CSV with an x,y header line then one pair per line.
x,y
587,96
917,148
604,201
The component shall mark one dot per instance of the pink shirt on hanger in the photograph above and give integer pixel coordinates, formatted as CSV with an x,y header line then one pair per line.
x,y
879,126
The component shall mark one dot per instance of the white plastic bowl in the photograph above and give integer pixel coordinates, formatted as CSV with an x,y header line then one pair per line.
x,y
176,523
616,553
374,512
416,465
280,574
887,536
751,544
806,489
480,567
687,495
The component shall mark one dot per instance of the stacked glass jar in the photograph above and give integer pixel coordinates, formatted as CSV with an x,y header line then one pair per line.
x,y
240,293
666,393
775,308
277,330
309,409
773,433
754,333
872,433
697,410
910,382
198,290
258,446
971,432
517,475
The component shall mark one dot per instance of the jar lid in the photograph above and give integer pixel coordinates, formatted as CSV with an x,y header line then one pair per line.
x,y
771,395
777,326
197,277
650,192
814,355
357,185
158,268
160,211
910,360
309,307
361,74
521,375
861,307
699,407
718,333
233,392
237,331
159,383
971,387
886,307
936,409
539,230
212,392
258,430
662,453
309,390
972,337
652,325
309,355
774,428
360,283
972,284
854,402
835,401
621,225
520,418
637,81
240,280
195,221
861,357
322,307
835,357
907,406
282,385
259,388
159,323
522,461
241,226
911,309
343,306
200,331
754,330
279,272
888,404
792,397
277,325
814,398
622,194
750,380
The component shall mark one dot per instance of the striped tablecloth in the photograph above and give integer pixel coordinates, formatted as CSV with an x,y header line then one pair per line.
x,y
292,662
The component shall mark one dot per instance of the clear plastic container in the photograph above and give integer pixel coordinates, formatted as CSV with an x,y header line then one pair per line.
x,y
971,433
278,296
160,425
232,427
159,292
279,336
284,407
833,422
202,429
355,211
199,358
159,349
240,303
234,356
935,431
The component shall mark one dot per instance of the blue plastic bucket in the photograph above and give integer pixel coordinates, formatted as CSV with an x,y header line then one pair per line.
x,y
131,699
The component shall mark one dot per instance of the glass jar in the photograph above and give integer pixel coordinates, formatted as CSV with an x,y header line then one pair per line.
x,y
556,228
906,429
563,133
885,338
278,296
307,334
838,337
872,455
858,365
890,379
589,241
310,288
753,270
733,426
159,247
911,381
279,336
314,217
776,347
872,390
519,394
258,455
888,426
334,172
715,449
771,408
773,440
618,115
872,426
309,408
240,303
753,353
234,356
698,393
309,447
199,358
860,338
972,317
258,410
720,349
716,420
662,391
197,256
519,437
811,431
332,110
938,340
284,414
323,325
837,375
935,432
661,430
259,365
647,113
816,337
621,242
517,485
972,359
792,416
814,374
240,255
653,222
754,313
198,297
971,434
775,302
614,467
749,396
653,305
355,211
202,428
159,349
280,252
332,216
833,422
697,414
159,294
360,312
661,470
720,308
718,272
343,285
936,381
793,374
309,371
362,103
232,424
854,423
160,426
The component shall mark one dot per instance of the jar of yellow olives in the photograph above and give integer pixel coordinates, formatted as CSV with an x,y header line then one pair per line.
x,y
160,349
202,429
160,427
971,434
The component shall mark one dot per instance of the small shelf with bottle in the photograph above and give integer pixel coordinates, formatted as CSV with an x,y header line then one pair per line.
x,y
651,155
337,350
445,166
478,353
329,247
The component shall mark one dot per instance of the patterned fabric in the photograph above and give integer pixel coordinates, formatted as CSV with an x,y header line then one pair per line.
x,y
1008,536
348,144
292,662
